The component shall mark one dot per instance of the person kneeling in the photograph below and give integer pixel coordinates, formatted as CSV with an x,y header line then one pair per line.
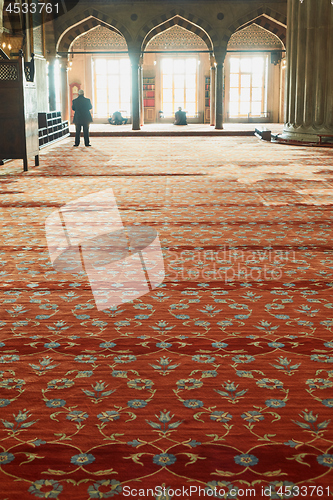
x,y
180,117
117,119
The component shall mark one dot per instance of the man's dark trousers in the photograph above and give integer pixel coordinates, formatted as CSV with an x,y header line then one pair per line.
x,y
85,134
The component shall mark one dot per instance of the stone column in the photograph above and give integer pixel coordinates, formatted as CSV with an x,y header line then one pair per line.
x,y
212,90
52,91
1,19
64,88
219,56
309,75
135,63
142,109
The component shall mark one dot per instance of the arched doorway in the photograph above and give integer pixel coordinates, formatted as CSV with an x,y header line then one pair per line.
x,y
176,68
99,63
254,76
89,52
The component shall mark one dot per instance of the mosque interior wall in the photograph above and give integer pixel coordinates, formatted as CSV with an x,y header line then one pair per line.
x,y
132,21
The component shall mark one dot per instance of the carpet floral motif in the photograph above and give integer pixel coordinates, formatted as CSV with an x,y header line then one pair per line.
x,y
219,381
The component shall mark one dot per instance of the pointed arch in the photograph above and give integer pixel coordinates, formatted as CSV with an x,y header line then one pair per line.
x,y
177,21
93,18
275,21
181,18
270,25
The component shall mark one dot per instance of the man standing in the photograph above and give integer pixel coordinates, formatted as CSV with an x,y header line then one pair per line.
x,y
82,117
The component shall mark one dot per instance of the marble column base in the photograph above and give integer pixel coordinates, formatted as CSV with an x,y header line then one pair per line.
x,y
301,134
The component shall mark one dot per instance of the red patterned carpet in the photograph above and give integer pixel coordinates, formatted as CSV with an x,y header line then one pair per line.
x,y
218,383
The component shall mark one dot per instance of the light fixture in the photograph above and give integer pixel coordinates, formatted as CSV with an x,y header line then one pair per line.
x,y
3,45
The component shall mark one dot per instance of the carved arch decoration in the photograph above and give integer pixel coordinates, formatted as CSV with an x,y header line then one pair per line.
x,y
269,25
266,18
92,19
178,17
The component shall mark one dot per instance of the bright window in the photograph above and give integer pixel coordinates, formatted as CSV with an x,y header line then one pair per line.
x,y
57,84
179,86
112,83
248,86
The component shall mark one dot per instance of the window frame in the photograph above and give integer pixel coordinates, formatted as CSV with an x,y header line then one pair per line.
x,y
108,75
175,103
264,87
